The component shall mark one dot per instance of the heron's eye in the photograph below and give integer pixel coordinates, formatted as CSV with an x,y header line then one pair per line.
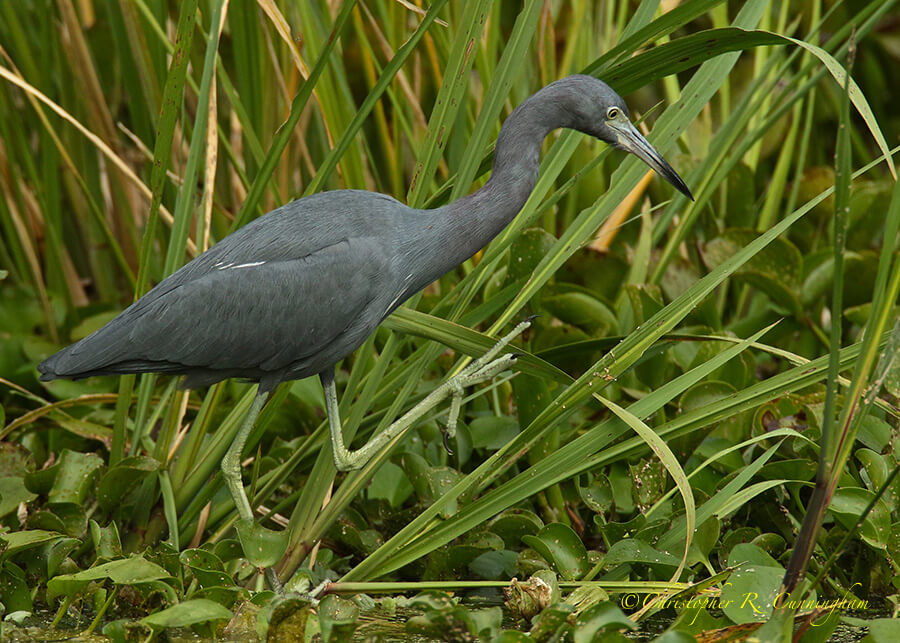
x,y
612,112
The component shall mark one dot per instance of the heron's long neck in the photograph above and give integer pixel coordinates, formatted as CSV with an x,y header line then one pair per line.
x,y
460,229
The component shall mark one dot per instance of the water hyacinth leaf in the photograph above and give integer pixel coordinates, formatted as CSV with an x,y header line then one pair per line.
x,y
337,618
122,478
89,324
46,520
646,301
17,616
720,454
166,556
881,630
747,555
487,621
552,623
224,596
191,612
459,557
66,517
705,539
429,482
530,562
206,567
263,547
442,616
582,310
750,591
772,544
692,622
650,481
68,389
41,481
492,432
622,487
632,550
15,460
662,451
495,565
586,596
284,617
590,624
18,541
562,548
391,484
434,624
127,571
431,599
56,552
106,540
797,469
531,395
350,534
742,211
819,269
526,252
228,550
703,394
877,468
74,477
849,503
777,270
874,432
597,494
12,493
512,524
15,594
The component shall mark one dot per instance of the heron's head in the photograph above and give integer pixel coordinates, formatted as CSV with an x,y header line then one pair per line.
x,y
595,109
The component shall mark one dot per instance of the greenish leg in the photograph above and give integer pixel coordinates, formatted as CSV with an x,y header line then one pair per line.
x,y
480,370
231,463
231,468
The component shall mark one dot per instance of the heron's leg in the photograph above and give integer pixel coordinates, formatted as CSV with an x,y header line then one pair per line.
x,y
479,370
231,463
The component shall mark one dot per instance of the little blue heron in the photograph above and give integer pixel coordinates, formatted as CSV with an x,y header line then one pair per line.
x,y
300,288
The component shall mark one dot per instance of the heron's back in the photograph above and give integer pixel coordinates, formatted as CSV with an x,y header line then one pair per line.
x,y
284,297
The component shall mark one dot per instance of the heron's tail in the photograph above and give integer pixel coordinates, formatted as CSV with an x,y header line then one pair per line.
x,y
71,363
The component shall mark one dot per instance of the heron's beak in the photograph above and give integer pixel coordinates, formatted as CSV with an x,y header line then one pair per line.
x,y
632,141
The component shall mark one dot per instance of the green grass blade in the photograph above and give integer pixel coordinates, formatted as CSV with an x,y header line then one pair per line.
x,y
667,457
172,95
351,132
284,133
508,68
184,205
449,98
405,546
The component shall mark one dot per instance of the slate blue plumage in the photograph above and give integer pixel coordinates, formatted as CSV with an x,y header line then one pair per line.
x,y
295,291
298,289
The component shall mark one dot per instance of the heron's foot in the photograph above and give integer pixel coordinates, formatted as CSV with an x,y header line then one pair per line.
x,y
273,580
445,434
317,591
480,370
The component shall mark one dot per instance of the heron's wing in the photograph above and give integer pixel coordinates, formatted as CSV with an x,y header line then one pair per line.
x,y
241,315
